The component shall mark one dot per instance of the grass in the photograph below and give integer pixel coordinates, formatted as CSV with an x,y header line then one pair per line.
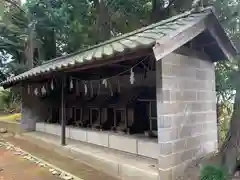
x,y
11,117
211,172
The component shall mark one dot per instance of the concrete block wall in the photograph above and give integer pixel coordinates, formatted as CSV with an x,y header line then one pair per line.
x,y
123,143
133,145
97,138
186,108
40,127
77,134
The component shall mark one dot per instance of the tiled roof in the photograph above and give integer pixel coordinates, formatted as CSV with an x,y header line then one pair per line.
x,y
144,37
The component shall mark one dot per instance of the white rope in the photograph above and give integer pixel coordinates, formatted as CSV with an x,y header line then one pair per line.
x,y
104,82
52,85
36,91
85,88
43,90
71,84
28,89
103,79
132,79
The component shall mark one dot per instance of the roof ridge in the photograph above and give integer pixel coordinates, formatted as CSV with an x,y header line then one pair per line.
x,y
152,31
151,26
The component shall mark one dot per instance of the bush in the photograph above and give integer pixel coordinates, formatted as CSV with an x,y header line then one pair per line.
x,y
213,173
9,101
12,117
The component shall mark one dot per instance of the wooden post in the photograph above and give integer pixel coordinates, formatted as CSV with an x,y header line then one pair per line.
x,y
115,117
126,118
63,113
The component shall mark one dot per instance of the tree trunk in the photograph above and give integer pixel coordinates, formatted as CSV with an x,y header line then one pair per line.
x,y
230,150
103,21
49,45
160,11
29,50
156,14
218,120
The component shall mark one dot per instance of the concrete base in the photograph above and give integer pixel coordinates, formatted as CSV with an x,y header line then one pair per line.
x,y
121,165
142,146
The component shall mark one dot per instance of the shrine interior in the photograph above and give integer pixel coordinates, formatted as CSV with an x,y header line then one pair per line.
x,y
119,97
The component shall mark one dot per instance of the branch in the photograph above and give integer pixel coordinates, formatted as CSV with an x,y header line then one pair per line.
x,y
169,5
233,15
228,67
15,5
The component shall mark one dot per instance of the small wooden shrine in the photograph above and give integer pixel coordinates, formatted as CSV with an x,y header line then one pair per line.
x,y
156,82
105,104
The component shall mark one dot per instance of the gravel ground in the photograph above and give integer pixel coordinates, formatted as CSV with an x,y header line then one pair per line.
x,y
14,167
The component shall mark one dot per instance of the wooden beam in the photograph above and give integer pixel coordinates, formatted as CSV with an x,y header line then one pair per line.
x,y
108,61
192,53
89,65
221,38
120,65
126,66
63,113
206,45
178,38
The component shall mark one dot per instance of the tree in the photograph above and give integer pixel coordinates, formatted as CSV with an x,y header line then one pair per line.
x,y
228,86
62,27
66,26
230,149
12,34
102,20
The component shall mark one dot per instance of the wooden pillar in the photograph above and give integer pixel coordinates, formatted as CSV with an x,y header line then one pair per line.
x,y
115,117
63,113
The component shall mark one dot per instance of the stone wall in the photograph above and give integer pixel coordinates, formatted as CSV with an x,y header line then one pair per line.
x,y
33,109
186,108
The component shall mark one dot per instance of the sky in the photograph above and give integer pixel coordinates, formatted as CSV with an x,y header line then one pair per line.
x,y
23,1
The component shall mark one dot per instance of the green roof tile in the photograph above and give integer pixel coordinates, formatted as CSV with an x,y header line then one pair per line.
x,y
117,47
107,50
144,37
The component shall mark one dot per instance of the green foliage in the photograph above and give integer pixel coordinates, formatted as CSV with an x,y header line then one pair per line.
x,y
63,27
128,15
67,26
69,21
211,172
227,72
5,97
9,101
13,37
74,22
225,113
225,87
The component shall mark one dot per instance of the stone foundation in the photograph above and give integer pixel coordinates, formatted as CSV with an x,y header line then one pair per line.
x,y
130,144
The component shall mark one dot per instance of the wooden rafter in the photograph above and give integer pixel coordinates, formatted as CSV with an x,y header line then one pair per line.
x,y
221,38
178,38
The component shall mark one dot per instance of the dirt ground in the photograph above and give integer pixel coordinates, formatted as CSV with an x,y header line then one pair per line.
x,y
70,165
13,167
45,152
